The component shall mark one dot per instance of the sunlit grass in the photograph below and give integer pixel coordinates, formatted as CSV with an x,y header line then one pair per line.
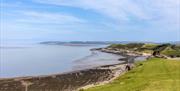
x,y
152,75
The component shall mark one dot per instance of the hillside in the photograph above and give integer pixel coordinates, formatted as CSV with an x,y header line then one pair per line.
x,y
169,50
156,74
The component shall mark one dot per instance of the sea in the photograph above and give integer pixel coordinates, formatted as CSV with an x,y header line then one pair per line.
x,y
39,59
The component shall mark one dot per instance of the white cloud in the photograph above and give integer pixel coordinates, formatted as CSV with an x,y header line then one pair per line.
x,y
168,12
156,11
46,18
116,9
148,16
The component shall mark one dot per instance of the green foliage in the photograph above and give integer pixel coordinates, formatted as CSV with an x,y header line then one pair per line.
x,y
152,75
117,46
161,47
133,46
149,46
171,52
155,49
176,47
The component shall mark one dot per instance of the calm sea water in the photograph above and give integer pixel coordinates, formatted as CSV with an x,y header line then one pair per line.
x,y
50,59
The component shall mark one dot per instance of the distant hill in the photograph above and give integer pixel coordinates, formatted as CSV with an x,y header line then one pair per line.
x,y
89,42
81,42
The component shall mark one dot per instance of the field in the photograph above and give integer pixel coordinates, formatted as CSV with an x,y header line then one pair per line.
x,y
153,75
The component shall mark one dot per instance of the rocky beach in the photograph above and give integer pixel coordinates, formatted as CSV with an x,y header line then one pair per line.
x,y
63,82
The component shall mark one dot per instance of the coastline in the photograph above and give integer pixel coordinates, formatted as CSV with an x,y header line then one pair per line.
x,y
120,70
81,79
62,82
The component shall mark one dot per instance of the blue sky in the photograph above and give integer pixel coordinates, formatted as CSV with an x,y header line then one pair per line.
x,y
89,20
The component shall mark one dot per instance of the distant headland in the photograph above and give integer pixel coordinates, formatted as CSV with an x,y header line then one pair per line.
x,y
101,42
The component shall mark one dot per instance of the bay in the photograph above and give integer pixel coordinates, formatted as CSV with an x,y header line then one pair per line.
x,y
35,60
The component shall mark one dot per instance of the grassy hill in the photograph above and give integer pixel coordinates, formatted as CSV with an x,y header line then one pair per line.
x,y
154,74
155,49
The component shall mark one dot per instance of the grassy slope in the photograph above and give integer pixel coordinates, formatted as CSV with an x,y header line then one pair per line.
x,y
148,48
169,51
154,75
165,49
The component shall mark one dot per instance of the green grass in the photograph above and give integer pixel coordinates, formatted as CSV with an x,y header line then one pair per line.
x,y
149,46
171,52
153,75
156,49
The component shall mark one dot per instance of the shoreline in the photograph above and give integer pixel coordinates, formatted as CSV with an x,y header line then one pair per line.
x,y
64,82
119,71
79,79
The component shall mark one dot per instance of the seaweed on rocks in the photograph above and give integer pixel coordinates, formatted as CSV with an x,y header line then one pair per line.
x,y
62,82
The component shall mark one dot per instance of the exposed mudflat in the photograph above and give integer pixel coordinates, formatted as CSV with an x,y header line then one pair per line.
x,y
60,82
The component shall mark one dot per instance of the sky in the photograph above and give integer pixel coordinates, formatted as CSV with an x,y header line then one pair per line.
x,y
90,20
